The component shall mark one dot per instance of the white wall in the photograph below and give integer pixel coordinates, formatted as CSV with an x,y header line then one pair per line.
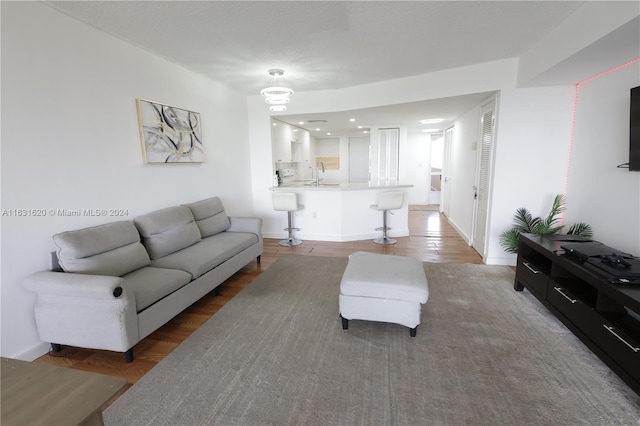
x,y
530,157
70,140
599,193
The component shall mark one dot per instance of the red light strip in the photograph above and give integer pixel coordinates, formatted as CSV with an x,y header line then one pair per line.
x,y
575,108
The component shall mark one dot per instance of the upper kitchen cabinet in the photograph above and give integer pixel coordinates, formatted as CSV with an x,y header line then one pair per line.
x,y
289,143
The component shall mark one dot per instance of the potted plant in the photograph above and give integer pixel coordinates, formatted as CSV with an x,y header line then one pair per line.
x,y
525,222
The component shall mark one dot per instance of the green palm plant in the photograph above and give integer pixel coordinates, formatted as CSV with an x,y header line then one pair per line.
x,y
525,222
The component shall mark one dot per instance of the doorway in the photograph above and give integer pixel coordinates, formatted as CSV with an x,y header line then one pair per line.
x,y
436,159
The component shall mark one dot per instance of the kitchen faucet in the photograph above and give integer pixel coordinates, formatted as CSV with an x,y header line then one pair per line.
x,y
317,173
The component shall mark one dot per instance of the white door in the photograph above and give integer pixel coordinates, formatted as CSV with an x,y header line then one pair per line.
x,y
359,159
446,171
481,190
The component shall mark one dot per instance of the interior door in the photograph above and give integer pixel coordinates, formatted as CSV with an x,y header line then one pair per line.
x,y
482,187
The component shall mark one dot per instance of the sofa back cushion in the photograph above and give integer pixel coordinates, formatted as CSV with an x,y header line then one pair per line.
x,y
168,230
210,216
111,249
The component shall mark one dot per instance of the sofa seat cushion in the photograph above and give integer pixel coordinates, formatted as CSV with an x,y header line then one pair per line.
x,y
208,253
151,284
168,230
112,249
210,216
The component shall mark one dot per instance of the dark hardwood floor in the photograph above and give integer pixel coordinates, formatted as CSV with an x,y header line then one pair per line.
x,y
431,239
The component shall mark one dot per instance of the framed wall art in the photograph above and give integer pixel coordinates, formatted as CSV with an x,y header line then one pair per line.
x,y
169,134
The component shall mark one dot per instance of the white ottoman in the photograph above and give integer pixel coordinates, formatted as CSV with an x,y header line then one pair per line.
x,y
380,287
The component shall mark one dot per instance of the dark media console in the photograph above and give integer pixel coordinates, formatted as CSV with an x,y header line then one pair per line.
x,y
581,293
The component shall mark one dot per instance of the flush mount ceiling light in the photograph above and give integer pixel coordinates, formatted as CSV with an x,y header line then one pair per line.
x,y
432,121
275,95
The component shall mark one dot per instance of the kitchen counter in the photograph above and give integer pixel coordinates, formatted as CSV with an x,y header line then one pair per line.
x,y
305,185
341,211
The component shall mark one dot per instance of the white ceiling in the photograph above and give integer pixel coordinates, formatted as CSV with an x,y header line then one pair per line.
x,y
327,44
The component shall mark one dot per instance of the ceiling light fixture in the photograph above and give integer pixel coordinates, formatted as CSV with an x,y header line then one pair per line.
x,y
432,121
276,95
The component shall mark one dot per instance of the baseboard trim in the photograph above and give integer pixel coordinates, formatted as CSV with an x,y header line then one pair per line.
x,y
34,353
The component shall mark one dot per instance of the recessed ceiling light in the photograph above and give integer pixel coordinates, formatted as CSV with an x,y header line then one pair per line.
x,y
300,122
360,127
352,119
366,131
430,130
328,133
317,129
295,130
432,120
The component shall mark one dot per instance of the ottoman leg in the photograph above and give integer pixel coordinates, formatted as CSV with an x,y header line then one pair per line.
x,y
412,331
345,323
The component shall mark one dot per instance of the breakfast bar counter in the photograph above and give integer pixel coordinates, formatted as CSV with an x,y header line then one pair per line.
x,y
357,186
341,211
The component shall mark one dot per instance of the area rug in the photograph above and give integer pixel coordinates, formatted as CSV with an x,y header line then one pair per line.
x,y
276,354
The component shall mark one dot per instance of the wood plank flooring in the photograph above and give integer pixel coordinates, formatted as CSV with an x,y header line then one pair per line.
x,y
431,239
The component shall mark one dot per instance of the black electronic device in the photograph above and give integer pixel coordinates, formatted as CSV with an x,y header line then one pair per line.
x,y
615,260
634,130
585,250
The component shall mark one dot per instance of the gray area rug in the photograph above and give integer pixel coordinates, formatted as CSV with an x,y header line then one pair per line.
x,y
276,354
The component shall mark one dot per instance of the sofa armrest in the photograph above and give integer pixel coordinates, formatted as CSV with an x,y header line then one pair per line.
x,y
75,285
246,224
90,311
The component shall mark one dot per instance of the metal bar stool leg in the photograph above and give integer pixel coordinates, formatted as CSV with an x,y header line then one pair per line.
x,y
290,242
384,240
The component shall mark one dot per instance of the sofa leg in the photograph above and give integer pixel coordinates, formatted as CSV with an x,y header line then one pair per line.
x,y
412,331
56,347
128,356
345,323
258,259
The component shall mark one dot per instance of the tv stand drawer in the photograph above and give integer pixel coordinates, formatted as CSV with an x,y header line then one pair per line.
x,y
569,305
621,343
532,277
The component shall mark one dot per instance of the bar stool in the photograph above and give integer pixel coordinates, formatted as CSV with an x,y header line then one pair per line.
x,y
389,200
287,201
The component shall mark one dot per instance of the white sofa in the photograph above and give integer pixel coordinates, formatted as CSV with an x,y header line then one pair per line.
x,y
121,281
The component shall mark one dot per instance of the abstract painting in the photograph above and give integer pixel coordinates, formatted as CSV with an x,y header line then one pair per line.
x,y
169,134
